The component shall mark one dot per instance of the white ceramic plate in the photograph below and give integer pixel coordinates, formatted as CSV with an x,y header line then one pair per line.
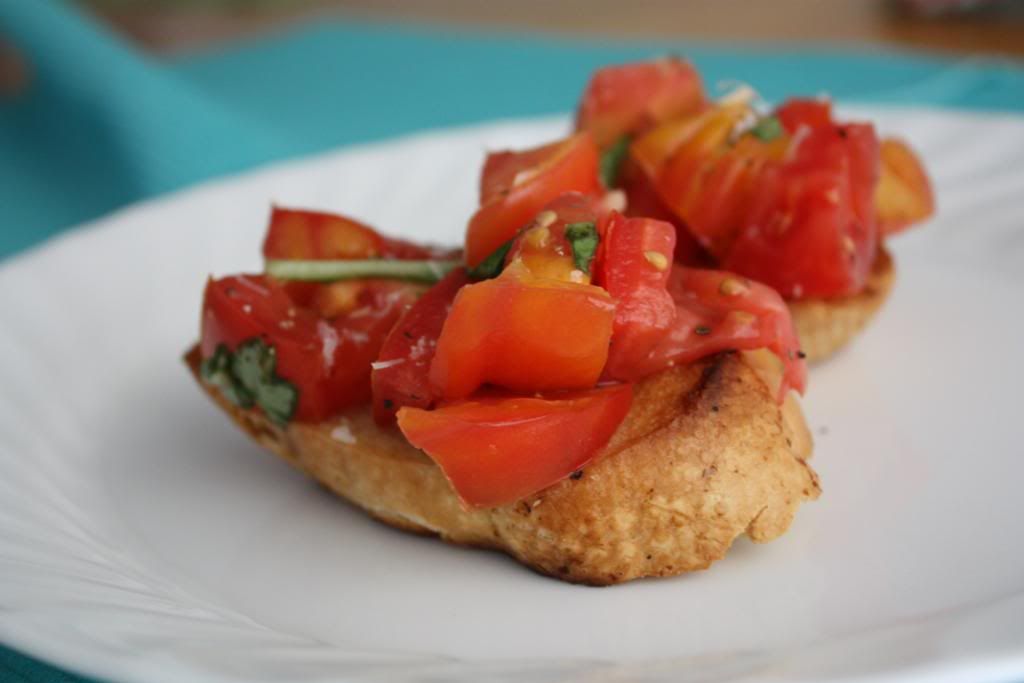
x,y
143,538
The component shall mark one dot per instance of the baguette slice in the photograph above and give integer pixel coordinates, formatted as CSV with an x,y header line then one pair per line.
x,y
704,455
827,325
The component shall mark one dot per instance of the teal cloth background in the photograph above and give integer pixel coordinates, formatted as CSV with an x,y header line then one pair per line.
x,y
102,125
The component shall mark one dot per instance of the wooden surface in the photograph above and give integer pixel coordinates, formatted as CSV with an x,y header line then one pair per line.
x,y
172,25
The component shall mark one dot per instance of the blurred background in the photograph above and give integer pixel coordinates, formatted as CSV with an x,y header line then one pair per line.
x,y
107,102
957,26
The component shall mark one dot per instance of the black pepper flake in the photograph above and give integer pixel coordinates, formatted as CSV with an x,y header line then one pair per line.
x,y
801,355
407,334
842,133
388,404
578,474
702,330
714,408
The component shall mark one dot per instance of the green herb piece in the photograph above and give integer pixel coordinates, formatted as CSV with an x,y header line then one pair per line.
x,y
330,271
611,161
767,128
493,264
253,367
216,370
702,330
583,238
247,378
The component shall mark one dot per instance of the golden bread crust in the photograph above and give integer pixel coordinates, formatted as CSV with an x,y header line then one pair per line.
x,y
704,456
827,325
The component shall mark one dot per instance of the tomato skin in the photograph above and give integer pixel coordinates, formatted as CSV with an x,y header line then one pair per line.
x,y
796,112
401,376
328,361
705,176
543,174
523,333
542,247
315,235
719,311
635,270
627,99
497,450
811,231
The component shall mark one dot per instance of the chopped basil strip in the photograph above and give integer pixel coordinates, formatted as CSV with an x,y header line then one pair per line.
x,y
330,271
583,239
216,370
767,129
247,377
611,161
493,264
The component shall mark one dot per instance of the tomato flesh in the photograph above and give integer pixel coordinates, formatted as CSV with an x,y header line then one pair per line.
x,y
523,333
797,112
542,247
635,270
629,98
401,375
315,235
519,184
811,231
719,311
497,450
794,211
328,360
904,194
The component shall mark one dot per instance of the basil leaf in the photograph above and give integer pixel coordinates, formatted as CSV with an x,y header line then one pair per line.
x,y
253,367
247,377
216,370
493,264
278,398
611,161
767,128
583,238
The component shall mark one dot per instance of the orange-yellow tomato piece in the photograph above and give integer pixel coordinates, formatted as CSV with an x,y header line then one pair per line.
x,y
903,195
523,333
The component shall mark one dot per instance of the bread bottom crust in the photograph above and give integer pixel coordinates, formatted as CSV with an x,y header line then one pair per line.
x,y
827,325
704,455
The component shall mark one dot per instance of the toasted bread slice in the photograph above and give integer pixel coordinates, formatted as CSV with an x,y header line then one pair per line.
x,y
826,325
705,454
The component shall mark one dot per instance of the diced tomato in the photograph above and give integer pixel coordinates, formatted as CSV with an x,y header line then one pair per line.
x,y
523,333
542,247
497,450
635,269
810,230
401,373
793,211
629,98
704,173
718,311
904,193
643,202
328,361
798,112
516,185
314,235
